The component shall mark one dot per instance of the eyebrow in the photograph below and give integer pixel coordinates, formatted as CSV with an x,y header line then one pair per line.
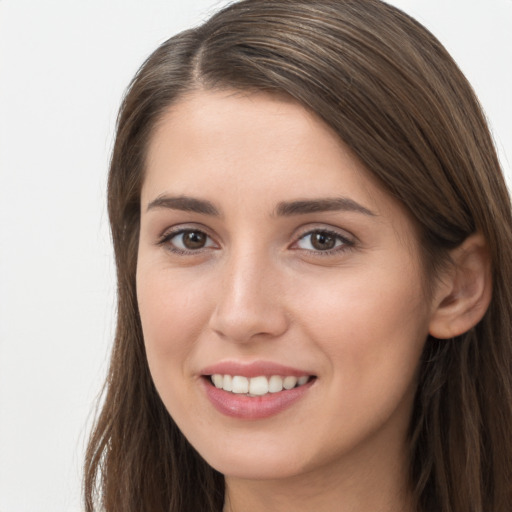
x,y
283,209
287,209
185,203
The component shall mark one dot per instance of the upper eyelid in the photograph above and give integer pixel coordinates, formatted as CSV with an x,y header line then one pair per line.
x,y
180,228
299,233
170,233
345,241
348,240
315,228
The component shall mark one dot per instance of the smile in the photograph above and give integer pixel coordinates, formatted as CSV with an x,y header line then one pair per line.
x,y
257,386
255,398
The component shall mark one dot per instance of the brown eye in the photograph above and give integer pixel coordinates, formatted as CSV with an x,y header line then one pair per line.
x,y
323,241
194,239
187,240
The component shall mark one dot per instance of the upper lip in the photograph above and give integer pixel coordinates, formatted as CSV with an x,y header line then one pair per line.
x,y
253,369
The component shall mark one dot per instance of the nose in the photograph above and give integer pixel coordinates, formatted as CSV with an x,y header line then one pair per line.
x,y
250,302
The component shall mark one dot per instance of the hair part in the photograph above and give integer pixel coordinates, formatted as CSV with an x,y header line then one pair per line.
x,y
393,94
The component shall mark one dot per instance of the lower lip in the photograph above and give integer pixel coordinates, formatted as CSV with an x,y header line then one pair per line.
x,y
257,407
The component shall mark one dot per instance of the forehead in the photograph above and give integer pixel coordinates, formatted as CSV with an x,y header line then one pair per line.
x,y
233,126
240,147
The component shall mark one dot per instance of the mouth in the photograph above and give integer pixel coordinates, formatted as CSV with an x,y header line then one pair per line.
x,y
257,386
255,390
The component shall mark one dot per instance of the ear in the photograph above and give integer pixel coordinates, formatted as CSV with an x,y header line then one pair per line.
x,y
464,292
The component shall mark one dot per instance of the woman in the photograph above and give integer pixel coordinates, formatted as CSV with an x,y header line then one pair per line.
x,y
313,244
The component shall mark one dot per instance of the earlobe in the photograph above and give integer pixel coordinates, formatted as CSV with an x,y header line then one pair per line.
x,y
464,293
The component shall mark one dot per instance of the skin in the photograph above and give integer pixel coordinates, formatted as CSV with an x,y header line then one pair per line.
x,y
356,318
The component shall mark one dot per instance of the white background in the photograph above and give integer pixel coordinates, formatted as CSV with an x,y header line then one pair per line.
x,y
64,65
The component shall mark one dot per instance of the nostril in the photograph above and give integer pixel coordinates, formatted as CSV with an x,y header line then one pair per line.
x,y
246,311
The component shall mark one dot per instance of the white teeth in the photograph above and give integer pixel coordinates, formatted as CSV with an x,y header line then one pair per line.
x,y
289,382
257,386
240,384
275,384
217,380
228,383
302,380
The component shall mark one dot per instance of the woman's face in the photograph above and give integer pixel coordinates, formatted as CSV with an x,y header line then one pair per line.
x,y
268,257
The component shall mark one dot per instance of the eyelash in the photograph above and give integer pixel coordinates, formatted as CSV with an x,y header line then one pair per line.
x,y
167,237
346,243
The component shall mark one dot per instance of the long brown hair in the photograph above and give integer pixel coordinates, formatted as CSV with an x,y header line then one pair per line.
x,y
393,94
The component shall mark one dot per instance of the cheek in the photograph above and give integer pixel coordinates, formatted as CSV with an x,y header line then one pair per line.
x,y
372,334
372,326
173,311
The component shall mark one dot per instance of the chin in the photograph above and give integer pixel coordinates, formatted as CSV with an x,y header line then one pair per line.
x,y
245,468
257,459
